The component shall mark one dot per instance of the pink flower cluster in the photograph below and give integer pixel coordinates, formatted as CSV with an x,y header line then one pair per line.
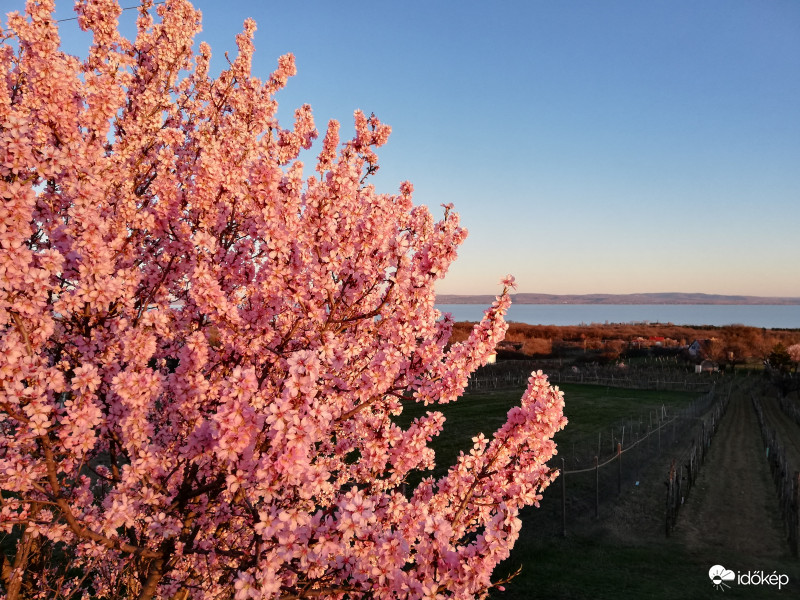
x,y
203,347
794,352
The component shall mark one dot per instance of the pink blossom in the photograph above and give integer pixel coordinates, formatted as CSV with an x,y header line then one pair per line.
x,y
509,282
203,353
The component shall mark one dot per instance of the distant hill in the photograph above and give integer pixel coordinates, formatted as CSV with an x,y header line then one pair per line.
x,y
657,298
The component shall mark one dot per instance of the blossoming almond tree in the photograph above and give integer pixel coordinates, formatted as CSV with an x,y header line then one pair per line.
x,y
202,346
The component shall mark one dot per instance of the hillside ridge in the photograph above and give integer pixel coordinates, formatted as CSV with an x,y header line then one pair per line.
x,y
644,298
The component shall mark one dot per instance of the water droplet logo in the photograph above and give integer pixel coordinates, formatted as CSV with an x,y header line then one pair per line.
x,y
719,575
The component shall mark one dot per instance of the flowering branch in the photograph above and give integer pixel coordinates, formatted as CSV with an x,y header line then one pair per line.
x,y
206,348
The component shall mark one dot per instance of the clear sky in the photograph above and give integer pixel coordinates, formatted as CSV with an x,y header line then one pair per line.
x,y
612,147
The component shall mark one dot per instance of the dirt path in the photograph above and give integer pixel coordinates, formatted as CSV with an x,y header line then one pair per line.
x,y
733,506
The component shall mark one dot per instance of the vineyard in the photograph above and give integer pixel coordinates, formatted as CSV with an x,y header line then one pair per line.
x,y
654,375
782,443
664,474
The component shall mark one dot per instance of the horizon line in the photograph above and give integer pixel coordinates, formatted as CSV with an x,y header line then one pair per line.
x,y
664,297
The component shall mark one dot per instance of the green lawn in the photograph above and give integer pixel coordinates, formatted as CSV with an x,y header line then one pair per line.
x,y
589,409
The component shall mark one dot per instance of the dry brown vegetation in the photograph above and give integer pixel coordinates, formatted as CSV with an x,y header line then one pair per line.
x,y
734,344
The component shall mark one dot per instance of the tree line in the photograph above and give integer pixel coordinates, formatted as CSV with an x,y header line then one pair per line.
x,y
728,346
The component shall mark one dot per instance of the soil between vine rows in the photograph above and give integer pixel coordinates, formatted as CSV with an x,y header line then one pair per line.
x,y
733,506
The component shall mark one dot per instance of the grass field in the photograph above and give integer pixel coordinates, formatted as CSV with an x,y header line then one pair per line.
x,y
588,408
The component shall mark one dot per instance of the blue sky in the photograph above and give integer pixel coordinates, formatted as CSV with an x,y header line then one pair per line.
x,y
616,146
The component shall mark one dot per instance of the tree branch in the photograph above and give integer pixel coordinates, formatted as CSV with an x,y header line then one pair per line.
x,y
77,528
22,331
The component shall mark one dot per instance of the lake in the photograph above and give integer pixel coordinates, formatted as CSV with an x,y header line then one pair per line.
x,y
755,315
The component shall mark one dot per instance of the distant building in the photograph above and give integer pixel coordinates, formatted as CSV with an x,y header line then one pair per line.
x,y
706,366
700,349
